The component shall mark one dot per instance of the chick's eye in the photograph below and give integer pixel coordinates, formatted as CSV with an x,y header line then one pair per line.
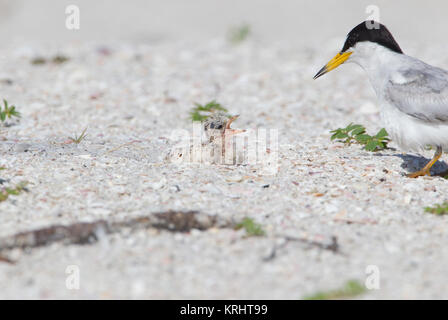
x,y
219,127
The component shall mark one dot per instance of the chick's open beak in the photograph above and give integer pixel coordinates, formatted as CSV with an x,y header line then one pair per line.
x,y
339,59
229,122
230,131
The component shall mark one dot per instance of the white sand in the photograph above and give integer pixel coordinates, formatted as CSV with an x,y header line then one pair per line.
x,y
161,62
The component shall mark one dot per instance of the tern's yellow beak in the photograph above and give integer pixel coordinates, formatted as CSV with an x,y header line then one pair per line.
x,y
339,59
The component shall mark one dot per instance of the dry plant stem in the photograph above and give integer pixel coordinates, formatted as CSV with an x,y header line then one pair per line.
x,y
333,246
85,233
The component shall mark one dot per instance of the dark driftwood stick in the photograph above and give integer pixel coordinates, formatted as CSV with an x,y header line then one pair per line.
x,y
84,233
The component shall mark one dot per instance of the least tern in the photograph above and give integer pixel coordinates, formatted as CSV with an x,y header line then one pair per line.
x,y
413,96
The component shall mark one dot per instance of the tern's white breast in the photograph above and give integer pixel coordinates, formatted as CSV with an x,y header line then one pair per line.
x,y
412,134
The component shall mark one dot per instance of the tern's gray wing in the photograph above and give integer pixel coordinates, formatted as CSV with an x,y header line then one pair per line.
x,y
420,91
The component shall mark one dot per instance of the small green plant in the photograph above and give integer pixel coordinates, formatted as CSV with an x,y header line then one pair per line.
x,y
251,227
197,114
60,59
239,34
77,139
8,112
351,289
38,61
438,209
18,189
357,133
347,135
57,59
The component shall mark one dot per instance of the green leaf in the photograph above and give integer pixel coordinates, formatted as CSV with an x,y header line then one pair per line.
x,y
210,107
16,114
8,111
196,116
252,228
349,127
6,192
336,131
382,133
239,34
77,139
363,138
354,127
350,289
359,130
339,135
439,209
371,146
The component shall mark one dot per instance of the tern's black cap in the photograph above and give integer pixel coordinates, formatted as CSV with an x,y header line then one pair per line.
x,y
374,32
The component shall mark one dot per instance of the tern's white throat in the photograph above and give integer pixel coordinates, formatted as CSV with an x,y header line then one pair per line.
x,y
377,61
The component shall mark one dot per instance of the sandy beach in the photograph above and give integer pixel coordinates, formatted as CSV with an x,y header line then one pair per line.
x,y
134,72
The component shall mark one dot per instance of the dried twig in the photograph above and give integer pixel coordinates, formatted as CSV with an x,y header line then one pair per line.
x,y
85,233
331,246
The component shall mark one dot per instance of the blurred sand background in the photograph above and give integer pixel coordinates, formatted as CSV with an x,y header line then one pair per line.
x,y
296,21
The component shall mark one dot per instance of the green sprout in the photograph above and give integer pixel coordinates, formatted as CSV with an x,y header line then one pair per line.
x,y
438,209
8,112
197,113
239,34
251,227
357,133
351,289
18,189
38,61
347,135
77,139
59,59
